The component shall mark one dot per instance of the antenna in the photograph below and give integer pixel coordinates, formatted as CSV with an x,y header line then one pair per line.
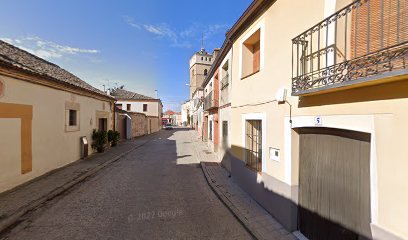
x,y
202,42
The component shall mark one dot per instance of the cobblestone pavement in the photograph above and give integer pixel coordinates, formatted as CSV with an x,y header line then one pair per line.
x,y
18,201
157,191
256,219
261,224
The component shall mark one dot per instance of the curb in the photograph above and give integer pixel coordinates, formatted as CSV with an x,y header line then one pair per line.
x,y
237,214
13,219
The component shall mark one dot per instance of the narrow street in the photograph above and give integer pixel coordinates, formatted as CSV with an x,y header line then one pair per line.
x,y
156,192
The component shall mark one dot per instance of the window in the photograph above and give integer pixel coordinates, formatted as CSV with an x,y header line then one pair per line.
x,y
103,124
202,58
128,107
72,117
210,59
251,55
118,106
253,144
144,107
205,72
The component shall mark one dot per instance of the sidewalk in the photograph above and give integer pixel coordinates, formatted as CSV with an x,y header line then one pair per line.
x,y
22,199
254,217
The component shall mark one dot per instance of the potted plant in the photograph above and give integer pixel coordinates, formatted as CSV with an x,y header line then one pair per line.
x,y
113,137
100,139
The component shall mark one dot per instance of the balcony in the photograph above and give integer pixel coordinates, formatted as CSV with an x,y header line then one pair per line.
x,y
210,102
362,43
225,82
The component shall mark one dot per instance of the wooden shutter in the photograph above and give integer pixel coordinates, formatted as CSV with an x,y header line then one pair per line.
x,y
256,56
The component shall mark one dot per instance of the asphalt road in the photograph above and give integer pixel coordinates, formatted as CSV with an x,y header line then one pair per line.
x,y
156,192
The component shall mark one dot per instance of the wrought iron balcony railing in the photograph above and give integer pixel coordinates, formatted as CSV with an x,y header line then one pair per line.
x,y
225,82
363,40
210,102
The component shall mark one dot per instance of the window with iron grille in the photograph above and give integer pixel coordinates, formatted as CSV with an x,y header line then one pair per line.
x,y
72,117
253,144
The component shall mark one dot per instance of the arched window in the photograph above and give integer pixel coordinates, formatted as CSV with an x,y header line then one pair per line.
x,y
205,72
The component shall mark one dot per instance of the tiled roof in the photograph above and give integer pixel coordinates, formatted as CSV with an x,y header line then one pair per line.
x,y
20,59
169,112
124,94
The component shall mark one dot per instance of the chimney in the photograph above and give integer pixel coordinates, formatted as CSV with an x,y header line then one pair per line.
x,y
216,52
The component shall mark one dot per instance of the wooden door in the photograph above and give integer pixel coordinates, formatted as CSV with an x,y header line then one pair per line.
x,y
334,184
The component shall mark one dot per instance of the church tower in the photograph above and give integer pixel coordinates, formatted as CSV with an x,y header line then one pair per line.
x,y
200,64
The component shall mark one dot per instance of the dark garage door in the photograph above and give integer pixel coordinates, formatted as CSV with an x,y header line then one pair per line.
x,y
334,184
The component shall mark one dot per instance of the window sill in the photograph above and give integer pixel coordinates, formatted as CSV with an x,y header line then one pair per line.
x,y
72,129
249,75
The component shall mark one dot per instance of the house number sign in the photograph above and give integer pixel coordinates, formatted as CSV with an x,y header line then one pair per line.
x,y
318,121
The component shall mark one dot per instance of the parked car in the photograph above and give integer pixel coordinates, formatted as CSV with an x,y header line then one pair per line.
x,y
168,126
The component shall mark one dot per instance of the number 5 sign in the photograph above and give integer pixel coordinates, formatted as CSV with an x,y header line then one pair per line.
x,y
318,121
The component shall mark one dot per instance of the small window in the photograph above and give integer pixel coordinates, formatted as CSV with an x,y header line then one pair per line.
x,y
205,59
210,59
253,144
251,54
202,58
72,117
128,107
205,72
144,107
118,106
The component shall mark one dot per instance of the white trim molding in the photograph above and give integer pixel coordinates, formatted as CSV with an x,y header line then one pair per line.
x,y
256,116
260,25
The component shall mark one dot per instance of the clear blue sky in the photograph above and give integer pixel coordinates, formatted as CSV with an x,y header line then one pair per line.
x,y
143,44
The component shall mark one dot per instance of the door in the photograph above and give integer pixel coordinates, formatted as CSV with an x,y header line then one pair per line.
x,y
205,131
334,184
225,134
103,124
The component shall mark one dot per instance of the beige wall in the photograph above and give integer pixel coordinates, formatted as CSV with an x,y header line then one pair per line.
x,y
381,110
152,107
50,137
154,124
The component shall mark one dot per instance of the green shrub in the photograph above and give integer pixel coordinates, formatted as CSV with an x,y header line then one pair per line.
x,y
100,139
113,137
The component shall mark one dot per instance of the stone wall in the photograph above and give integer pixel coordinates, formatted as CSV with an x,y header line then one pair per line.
x,y
139,124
